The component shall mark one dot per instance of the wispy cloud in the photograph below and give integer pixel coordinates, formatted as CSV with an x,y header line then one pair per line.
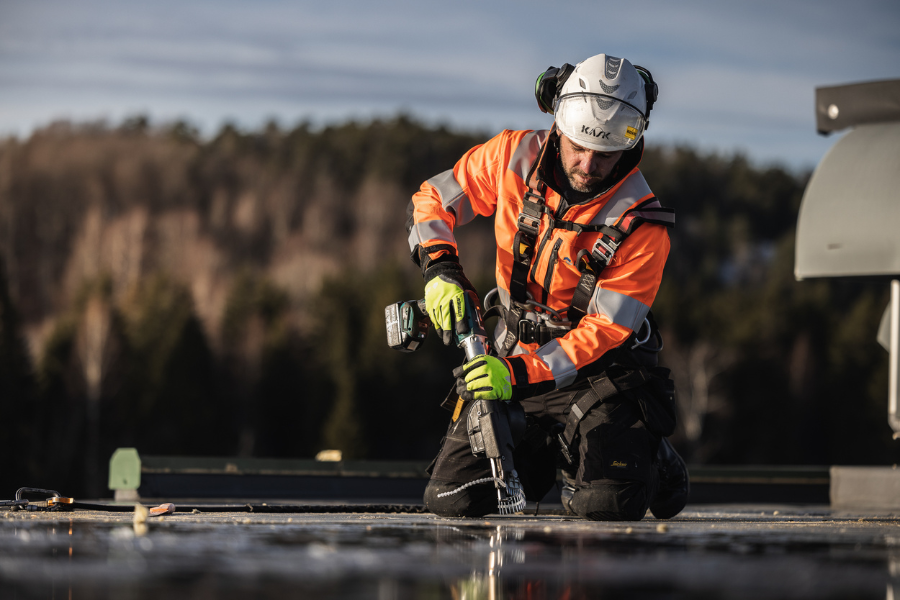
x,y
732,75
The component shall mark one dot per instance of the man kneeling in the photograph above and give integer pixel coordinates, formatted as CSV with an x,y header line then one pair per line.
x,y
581,245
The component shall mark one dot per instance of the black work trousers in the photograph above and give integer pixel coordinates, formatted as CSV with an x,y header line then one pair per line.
x,y
613,470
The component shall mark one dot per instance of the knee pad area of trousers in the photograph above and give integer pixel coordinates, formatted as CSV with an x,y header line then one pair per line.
x,y
475,501
611,501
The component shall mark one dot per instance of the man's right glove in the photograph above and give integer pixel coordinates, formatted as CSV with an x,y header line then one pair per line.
x,y
445,303
484,378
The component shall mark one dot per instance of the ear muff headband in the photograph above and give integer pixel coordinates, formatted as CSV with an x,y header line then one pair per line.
x,y
651,91
548,84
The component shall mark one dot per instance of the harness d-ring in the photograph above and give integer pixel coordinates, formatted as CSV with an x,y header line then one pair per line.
x,y
649,333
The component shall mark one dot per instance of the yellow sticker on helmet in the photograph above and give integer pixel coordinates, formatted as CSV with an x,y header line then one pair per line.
x,y
630,133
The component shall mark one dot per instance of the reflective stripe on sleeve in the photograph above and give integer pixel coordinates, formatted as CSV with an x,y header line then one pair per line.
x,y
621,309
427,231
453,198
526,152
562,367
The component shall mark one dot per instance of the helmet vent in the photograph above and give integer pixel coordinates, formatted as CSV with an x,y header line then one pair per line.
x,y
582,83
608,89
612,67
632,95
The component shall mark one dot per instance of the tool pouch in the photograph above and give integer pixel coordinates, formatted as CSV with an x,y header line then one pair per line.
x,y
494,428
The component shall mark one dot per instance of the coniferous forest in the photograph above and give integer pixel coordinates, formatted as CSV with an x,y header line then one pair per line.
x,y
225,296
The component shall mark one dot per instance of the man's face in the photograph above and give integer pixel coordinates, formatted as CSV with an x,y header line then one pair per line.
x,y
585,168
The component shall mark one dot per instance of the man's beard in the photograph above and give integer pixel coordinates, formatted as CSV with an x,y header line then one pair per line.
x,y
584,188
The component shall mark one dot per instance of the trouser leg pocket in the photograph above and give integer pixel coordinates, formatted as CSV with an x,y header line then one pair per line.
x,y
615,444
615,476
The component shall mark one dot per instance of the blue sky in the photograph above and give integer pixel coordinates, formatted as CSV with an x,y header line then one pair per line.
x,y
733,76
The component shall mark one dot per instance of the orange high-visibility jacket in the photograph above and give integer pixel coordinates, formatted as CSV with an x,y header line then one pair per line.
x,y
490,179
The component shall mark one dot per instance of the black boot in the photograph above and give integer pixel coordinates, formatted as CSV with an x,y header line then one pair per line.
x,y
674,485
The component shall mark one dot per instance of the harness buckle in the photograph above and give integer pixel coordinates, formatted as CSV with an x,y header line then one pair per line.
x,y
538,201
543,326
528,224
558,431
603,251
526,331
563,445
548,332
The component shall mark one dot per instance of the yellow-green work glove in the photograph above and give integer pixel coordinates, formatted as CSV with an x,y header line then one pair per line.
x,y
483,378
446,306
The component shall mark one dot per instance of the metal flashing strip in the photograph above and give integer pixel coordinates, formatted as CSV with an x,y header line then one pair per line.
x,y
894,359
402,483
859,488
842,106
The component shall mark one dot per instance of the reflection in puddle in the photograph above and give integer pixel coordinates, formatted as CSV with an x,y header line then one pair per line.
x,y
399,558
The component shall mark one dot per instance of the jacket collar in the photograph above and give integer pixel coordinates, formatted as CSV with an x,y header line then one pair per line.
x,y
549,161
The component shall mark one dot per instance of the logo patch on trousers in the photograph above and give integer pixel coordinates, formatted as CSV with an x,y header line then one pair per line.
x,y
619,464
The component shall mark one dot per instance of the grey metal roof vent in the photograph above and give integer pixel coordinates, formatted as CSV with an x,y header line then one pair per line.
x,y
849,222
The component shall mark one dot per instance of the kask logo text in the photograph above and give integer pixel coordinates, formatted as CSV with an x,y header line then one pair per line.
x,y
596,132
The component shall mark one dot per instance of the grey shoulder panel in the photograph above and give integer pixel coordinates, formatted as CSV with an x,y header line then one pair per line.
x,y
632,189
525,153
453,197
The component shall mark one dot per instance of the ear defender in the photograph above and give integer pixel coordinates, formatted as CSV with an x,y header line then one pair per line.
x,y
548,84
651,91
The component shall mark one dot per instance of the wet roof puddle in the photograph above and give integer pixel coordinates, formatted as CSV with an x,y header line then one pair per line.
x,y
711,553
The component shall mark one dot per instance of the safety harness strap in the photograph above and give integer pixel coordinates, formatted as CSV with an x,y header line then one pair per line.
x,y
602,388
592,263
528,225
511,318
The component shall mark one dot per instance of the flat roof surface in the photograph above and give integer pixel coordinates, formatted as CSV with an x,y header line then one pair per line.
x,y
726,551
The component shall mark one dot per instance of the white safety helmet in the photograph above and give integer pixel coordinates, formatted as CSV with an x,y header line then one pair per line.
x,y
602,104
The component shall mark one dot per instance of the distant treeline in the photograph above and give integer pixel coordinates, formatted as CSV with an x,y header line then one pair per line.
x,y
225,297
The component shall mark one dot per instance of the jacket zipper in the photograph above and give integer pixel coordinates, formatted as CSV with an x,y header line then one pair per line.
x,y
554,256
537,255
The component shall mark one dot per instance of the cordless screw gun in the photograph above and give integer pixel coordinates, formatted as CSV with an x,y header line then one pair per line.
x,y
493,427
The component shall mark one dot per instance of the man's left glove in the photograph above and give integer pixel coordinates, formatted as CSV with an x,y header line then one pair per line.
x,y
445,289
484,378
